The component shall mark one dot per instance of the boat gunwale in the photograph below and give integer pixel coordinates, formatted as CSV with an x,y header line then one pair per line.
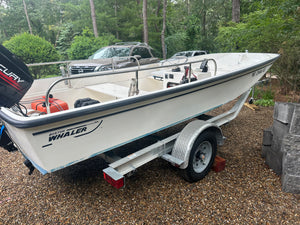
x,y
166,93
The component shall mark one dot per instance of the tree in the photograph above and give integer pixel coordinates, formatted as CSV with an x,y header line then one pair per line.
x,y
203,12
188,7
116,18
199,28
27,17
164,29
86,44
64,40
43,18
93,15
145,23
275,28
236,11
189,24
12,19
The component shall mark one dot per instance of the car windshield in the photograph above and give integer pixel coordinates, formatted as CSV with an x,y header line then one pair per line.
x,y
111,52
187,54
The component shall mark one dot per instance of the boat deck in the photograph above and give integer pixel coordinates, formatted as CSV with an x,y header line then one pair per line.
x,y
114,86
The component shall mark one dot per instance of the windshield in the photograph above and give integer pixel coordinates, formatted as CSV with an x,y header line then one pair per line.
x,y
111,52
188,54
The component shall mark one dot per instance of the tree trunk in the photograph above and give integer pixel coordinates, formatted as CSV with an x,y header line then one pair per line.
x,y
157,14
164,29
145,21
27,17
236,11
204,19
116,15
93,14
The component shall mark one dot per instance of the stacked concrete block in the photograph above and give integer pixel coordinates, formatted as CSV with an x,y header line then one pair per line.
x,y
295,123
290,177
267,142
282,117
281,144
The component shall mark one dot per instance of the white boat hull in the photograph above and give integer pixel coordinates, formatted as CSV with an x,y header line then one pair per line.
x,y
64,142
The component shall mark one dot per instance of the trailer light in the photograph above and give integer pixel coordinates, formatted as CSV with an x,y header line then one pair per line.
x,y
115,183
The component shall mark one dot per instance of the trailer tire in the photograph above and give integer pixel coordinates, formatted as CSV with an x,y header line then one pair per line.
x,y
201,157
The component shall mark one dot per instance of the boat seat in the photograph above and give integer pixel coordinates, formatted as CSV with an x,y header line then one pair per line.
x,y
202,75
111,89
204,66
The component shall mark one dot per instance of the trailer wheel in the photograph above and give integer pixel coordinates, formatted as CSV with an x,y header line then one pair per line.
x,y
201,157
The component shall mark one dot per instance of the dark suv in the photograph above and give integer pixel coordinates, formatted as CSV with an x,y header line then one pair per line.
x,y
119,55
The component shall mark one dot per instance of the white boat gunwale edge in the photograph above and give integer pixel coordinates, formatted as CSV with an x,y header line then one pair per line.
x,y
178,90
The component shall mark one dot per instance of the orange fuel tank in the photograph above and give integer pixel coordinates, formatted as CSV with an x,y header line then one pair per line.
x,y
56,105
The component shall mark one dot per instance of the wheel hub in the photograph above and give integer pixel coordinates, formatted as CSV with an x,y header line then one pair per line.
x,y
202,156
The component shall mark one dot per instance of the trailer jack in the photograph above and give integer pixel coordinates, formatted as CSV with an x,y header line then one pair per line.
x,y
29,165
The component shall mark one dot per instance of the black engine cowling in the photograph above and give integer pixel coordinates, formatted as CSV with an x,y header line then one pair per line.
x,y
15,78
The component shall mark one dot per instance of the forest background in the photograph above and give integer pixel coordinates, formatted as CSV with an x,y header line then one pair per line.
x,y
51,30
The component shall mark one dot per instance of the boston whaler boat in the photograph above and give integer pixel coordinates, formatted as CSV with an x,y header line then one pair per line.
x,y
57,122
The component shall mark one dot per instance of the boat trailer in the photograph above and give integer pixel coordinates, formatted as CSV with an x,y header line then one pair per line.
x,y
193,149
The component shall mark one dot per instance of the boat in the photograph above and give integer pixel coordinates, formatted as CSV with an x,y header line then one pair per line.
x,y
57,122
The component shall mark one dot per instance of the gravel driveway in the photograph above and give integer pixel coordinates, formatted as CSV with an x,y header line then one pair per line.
x,y
246,192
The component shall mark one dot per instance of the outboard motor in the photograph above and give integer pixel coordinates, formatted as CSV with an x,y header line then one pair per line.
x,y
15,78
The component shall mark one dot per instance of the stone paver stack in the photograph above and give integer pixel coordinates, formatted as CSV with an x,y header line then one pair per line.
x,y
281,145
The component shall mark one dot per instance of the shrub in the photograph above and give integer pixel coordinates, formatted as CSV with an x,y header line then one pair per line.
x,y
264,96
33,49
86,44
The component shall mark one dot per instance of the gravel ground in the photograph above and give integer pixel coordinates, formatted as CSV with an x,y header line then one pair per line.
x,y
246,192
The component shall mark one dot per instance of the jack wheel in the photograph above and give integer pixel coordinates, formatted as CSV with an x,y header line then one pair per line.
x,y
251,101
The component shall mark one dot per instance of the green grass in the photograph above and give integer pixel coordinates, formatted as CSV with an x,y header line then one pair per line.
x,y
264,96
264,102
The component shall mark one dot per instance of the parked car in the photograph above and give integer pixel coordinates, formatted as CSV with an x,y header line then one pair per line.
x,y
119,55
185,55
189,53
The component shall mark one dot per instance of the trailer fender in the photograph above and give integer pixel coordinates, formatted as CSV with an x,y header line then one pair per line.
x,y
185,141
